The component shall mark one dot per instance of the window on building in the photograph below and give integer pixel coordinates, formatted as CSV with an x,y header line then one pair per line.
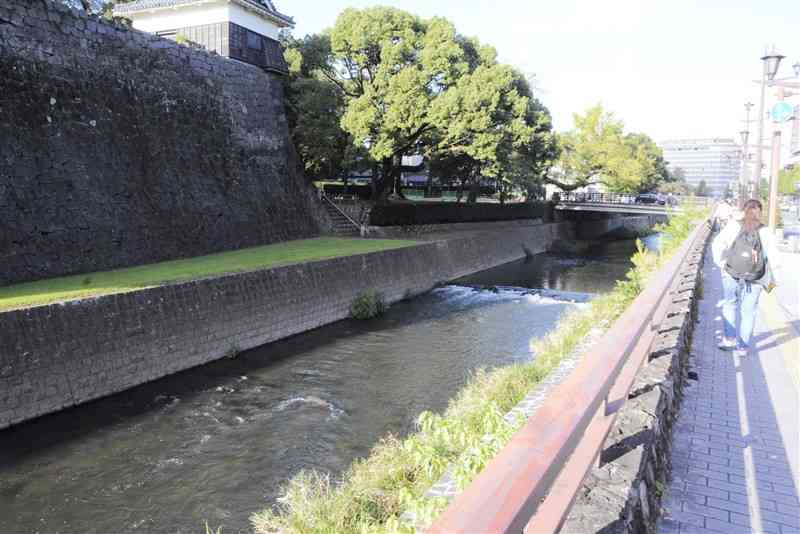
x,y
254,41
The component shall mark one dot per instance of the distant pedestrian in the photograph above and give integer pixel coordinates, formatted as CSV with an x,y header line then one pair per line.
x,y
746,254
722,215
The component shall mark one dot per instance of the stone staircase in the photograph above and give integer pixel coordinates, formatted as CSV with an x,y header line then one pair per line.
x,y
342,224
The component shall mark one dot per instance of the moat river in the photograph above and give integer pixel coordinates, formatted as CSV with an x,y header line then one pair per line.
x,y
216,443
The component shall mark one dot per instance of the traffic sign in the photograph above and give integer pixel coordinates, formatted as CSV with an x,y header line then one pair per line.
x,y
782,112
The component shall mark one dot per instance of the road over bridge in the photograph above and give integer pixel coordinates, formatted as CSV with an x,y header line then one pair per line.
x,y
618,203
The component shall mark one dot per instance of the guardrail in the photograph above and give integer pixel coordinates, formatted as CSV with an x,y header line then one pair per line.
x,y
623,198
531,484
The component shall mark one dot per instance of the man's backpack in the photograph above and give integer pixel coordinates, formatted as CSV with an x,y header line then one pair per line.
x,y
745,259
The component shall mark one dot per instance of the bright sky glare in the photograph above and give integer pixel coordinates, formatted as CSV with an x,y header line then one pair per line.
x,y
668,68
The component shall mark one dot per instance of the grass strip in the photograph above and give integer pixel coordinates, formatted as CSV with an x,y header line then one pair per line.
x,y
235,261
374,491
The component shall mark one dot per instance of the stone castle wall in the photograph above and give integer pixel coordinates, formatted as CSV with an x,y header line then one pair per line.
x,y
119,148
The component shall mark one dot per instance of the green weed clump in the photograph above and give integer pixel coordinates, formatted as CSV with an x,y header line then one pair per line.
x,y
376,490
367,305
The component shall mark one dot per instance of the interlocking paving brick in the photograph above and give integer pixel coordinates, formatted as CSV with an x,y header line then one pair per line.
x,y
730,466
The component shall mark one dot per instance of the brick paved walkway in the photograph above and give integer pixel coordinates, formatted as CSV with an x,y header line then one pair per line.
x,y
735,449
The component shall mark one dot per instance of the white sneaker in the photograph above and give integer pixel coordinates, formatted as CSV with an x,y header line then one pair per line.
x,y
727,344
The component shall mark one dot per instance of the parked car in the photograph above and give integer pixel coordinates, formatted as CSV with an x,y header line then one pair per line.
x,y
650,198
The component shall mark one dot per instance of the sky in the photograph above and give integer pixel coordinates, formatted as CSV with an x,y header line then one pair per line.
x,y
672,69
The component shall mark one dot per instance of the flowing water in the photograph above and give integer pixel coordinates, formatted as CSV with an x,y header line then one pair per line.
x,y
216,442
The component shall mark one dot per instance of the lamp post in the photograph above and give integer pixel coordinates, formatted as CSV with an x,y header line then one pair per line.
x,y
744,171
770,62
780,113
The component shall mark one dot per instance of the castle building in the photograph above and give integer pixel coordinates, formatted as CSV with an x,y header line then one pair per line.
x,y
245,30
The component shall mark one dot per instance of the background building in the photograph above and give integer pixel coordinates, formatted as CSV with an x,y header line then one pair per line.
x,y
246,30
715,160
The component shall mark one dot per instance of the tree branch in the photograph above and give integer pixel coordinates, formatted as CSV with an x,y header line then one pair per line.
x,y
412,139
339,84
571,187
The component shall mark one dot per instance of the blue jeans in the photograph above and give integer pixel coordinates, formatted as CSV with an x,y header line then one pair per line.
x,y
739,297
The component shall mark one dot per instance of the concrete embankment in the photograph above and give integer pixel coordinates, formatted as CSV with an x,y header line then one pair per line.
x,y
61,355
616,227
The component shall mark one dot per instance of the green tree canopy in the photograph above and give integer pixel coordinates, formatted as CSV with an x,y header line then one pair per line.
x,y
596,151
675,183
414,86
789,181
314,109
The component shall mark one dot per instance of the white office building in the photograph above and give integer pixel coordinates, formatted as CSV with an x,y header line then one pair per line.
x,y
716,160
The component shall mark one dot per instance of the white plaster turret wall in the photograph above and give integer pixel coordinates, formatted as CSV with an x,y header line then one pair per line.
x,y
213,12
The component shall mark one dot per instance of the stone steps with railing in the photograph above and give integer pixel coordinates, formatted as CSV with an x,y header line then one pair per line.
x,y
343,225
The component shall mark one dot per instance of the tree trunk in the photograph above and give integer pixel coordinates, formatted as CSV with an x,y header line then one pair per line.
x,y
429,186
474,191
397,171
382,182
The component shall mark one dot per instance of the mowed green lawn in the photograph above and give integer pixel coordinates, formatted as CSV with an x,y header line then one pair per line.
x,y
235,261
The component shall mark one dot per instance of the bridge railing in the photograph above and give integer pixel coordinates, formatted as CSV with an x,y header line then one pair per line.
x,y
531,484
625,198
605,198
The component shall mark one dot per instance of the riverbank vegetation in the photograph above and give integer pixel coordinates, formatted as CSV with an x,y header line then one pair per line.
x,y
367,305
375,491
235,261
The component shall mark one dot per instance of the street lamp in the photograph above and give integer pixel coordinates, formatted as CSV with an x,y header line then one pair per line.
x,y
780,113
744,171
771,63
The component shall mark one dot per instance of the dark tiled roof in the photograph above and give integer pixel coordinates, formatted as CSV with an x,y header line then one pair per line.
x,y
141,5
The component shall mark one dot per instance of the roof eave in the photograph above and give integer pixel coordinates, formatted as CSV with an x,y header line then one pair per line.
x,y
281,20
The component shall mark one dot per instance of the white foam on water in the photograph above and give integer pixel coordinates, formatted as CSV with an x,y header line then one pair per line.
x,y
169,462
470,295
311,400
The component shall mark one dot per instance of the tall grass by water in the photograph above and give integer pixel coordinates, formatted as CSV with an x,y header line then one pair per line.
x,y
235,261
372,494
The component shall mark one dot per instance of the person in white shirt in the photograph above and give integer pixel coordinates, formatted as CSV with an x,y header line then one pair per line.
x,y
722,215
741,293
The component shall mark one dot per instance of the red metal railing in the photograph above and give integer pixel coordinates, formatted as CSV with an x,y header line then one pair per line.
x,y
531,484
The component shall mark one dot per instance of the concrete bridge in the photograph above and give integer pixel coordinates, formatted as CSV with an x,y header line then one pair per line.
x,y
622,203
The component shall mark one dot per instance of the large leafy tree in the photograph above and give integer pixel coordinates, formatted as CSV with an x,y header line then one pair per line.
x,y
413,86
493,128
650,158
315,107
597,151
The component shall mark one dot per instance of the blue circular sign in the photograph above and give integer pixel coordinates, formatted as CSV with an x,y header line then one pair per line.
x,y
782,112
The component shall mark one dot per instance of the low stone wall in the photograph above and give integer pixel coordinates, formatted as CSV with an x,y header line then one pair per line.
x,y
424,230
623,493
60,355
